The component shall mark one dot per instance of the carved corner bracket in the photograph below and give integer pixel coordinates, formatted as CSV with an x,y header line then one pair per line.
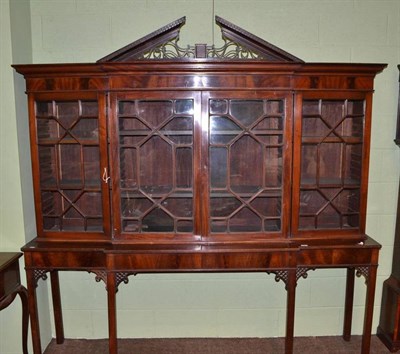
x,y
40,274
301,272
101,275
283,275
363,271
120,277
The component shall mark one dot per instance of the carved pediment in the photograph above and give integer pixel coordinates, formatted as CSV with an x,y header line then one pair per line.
x,y
162,44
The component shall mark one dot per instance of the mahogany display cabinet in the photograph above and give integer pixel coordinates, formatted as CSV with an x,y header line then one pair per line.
x,y
159,158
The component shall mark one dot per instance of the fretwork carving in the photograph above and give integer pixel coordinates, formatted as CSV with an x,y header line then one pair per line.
x,y
363,271
171,50
122,277
302,273
280,275
101,275
39,274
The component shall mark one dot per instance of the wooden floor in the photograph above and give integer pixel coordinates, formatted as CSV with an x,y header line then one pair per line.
x,y
302,345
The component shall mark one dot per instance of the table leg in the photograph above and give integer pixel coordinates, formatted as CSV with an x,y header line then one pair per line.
x,y
290,310
369,309
112,314
33,311
23,294
58,318
348,306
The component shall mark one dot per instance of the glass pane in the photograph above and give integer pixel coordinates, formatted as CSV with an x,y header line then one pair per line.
x,y
352,164
91,165
185,226
348,201
47,166
275,108
179,205
273,174
127,108
69,161
331,162
224,206
311,202
329,218
309,164
219,167
219,226
218,107
267,206
270,123
67,112
86,129
314,127
155,112
184,168
89,204
179,130
48,128
128,168
245,220
247,112
45,109
156,165
272,225
135,206
158,221
51,203
223,130
246,165
89,109
184,106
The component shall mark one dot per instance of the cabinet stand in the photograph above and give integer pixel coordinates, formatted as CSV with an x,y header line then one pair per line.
x,y
113,265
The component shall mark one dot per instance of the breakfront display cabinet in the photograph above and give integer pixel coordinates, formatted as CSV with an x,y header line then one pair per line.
x,y
159,158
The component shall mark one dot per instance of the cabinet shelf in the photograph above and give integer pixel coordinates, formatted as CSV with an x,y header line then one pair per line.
x,y
68,141
331,139
329,183
247,132
150,132
126,193
90,186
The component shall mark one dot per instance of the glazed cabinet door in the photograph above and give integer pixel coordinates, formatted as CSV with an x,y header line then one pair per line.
x,y
69,156
332,137
155,165
247,153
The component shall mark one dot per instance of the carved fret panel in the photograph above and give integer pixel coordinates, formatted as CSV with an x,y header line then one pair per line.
x,y
302,273
122,277
280,275
363,271
40,274
101,275
172,50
